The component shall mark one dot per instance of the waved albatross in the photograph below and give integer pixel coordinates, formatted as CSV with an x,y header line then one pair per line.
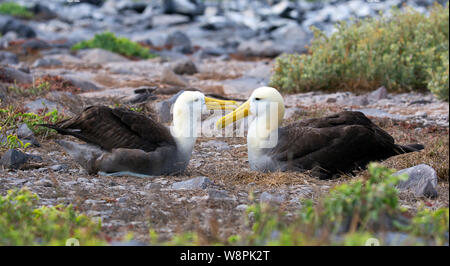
x,y
123,142
335,144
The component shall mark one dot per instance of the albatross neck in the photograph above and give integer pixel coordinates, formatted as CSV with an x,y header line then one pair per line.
x,y
185,132
261,132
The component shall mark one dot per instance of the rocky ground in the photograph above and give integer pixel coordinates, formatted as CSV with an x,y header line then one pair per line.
x,y
217,186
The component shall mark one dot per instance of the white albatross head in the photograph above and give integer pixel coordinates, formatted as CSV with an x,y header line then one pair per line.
x,y
264,102
187,111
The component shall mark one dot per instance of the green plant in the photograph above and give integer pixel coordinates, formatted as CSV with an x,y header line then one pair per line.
x,y
349,214
432,225
14,9
120,45
406,51
22,222
13,142
12,117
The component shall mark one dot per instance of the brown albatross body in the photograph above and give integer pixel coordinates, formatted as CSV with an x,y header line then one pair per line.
x,y
330,145
121,141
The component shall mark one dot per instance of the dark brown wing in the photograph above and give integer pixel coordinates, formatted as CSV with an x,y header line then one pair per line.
x,y
336,143
116,128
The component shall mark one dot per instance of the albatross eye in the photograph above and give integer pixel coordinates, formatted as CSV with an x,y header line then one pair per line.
x,y
196,100
257,99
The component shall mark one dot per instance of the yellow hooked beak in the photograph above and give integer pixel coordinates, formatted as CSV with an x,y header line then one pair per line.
x,y
241,112
215,104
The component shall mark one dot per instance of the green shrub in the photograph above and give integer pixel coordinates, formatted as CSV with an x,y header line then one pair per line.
x,y
407,51
349,214
23,223
14,9
121,45
432,225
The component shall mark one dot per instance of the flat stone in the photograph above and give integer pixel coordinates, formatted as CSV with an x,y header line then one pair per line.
x,y
84,85
185,67
8,58
100,56
179,42
378,94
12,75
241,207
41,104
422,180
216,144
13,159
46,62
381,114
268,198
200,182
26,135
169,77
215,194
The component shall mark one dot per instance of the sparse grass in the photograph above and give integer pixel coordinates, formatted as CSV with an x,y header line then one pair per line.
x,y
22,222
407,51
35,90
41,86
121,45
349,215
16,10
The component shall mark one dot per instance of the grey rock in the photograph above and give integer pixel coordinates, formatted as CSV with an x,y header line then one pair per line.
x,y
7,38
200,182
42,12
46,62
35,44
208,52
422,180
216,144
44,182
100,56
381,114
360,100
179,42
266,48
26,135
58,167
24,132
421,114
283,9
84,85
169,77
12,75
13,159
153,186
42,104
8,24
292,38
8,58
241,207
268,198
137,7
82,180
167,56
215,194
189,8
378,94
185,67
